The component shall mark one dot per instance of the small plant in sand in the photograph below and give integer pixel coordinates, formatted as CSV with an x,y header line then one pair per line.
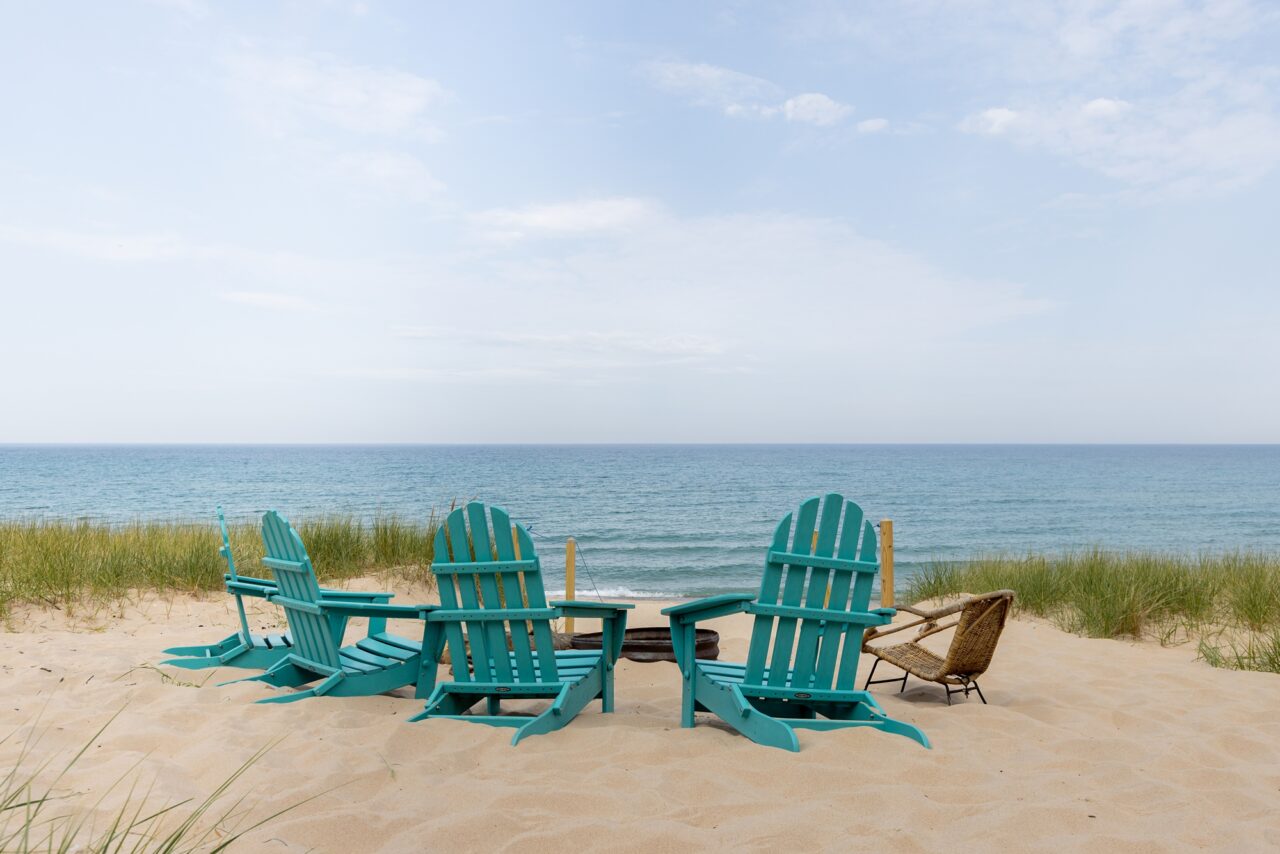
x,y
38,812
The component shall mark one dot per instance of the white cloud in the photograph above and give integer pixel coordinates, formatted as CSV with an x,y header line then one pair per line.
x,y
1105,108
711,85
995,120
194,9
99,246
381,173
567,218
705,295
1184,144
150,248
814,108
614,342
282,92
742,95
1166,97
872,125
274,301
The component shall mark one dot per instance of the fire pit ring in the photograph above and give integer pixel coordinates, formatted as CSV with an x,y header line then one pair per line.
x,y
651,644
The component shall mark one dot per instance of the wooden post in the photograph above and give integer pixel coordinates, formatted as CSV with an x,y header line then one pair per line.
x,y
570,562
886,563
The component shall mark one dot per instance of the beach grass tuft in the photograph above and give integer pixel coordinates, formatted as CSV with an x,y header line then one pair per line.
x,y
39,813
66,564
1229,602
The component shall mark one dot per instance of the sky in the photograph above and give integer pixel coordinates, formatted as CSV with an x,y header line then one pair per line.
x,y
640,222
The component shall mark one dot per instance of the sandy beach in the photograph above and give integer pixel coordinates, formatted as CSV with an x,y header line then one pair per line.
x,y
1086,745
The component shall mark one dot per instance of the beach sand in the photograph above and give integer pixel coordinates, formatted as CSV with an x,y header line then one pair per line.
x,y
1094,745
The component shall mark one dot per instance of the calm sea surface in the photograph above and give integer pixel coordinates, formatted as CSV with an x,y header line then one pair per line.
x,y
682,520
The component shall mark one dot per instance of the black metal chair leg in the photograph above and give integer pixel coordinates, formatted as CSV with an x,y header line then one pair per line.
x,y
979,690
874,665
904,682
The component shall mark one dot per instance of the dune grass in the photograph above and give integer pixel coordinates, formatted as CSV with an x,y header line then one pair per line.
x,y
71,563
1228,603
39,813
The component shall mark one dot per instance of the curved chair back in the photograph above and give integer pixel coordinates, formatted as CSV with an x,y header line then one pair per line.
x,y
823,556
977,633
492,575
299,592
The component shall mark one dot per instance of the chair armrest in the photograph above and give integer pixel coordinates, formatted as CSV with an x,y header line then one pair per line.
x,y
249,586
829,615
355,595
488,615
591,610
376,609
709,608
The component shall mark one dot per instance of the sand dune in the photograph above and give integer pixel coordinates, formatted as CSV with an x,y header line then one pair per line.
x,y
1087,745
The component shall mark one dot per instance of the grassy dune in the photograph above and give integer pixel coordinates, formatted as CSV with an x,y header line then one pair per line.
x,y
1229,604
67,563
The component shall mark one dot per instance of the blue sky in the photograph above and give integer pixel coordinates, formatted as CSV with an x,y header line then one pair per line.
x,y
646,222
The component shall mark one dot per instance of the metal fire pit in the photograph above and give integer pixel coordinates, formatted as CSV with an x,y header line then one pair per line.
x,y
652,644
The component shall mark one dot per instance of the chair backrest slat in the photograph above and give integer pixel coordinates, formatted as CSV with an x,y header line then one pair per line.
x,y
508,589
468,599
447,586
762,628
513,593
794,578
313,633
826,561
847,673
838,596
817,594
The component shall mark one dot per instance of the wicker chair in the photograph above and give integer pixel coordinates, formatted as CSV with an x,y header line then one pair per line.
x,y
978,629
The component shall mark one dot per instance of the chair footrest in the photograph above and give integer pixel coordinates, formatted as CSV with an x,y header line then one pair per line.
x,y
503,690
491,720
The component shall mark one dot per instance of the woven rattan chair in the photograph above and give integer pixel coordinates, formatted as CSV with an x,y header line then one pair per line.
x,y
978,629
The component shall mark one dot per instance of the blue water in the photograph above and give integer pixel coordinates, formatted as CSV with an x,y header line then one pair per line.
x,y
683,520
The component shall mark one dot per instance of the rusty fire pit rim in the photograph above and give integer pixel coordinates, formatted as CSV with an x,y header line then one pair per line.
x,y
651,643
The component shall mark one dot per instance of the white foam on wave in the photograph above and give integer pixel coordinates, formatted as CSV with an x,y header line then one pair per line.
x,y
607,593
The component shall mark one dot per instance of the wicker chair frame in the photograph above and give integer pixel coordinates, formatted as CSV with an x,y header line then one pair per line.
x,y
978,629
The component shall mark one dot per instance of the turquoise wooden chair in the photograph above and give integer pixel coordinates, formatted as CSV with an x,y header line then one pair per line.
x,y
373,665
491,584
244,648
810,614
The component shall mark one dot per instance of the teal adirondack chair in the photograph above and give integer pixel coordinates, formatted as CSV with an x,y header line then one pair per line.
x,y
243,648
810,614
491,583
375,664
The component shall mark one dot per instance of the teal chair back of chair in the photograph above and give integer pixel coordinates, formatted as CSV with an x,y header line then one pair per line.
x,y
299,592
833,570
493,575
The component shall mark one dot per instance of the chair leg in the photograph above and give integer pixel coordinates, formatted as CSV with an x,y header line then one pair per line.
x,y
874,664
871,681
493,705
979,690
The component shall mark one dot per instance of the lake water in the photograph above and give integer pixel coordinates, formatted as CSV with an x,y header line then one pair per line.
x,y
683,520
